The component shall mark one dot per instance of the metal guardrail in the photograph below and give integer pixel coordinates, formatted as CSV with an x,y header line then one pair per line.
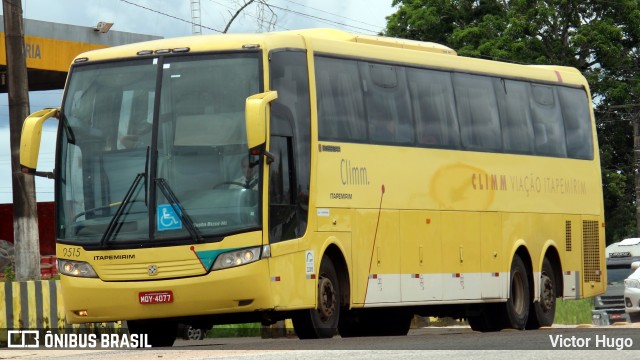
x,y
38,305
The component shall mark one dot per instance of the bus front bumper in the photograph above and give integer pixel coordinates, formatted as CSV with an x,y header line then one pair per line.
x,y
240,289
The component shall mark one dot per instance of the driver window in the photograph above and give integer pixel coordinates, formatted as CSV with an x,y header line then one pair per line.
x,y
282,208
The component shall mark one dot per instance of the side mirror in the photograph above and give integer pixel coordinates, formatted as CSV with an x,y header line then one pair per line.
x,y
256,118
30,139
635,265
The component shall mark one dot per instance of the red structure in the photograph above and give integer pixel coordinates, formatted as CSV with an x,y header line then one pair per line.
x,y
46,226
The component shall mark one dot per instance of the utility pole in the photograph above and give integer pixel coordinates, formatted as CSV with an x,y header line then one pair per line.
x,y
25,220
636,162
196,21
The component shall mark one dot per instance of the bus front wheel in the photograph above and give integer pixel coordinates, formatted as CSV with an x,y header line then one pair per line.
x,y
321,322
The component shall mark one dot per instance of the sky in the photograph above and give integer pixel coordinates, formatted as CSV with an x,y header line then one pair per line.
x,y
172,18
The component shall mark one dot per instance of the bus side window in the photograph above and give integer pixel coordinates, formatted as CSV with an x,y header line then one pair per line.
x,y
282,208
340,100
477,112
432,97
577,123
291,118
387,103
515,115
547,116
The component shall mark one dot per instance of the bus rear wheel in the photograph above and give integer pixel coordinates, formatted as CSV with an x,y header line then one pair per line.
x,y
517,305
542,313
321,322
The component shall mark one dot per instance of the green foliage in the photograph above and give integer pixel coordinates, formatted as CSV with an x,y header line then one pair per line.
x,y
573,312
600,38
9,273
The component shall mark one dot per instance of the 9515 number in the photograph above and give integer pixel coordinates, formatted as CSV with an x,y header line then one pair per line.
x,y
69,252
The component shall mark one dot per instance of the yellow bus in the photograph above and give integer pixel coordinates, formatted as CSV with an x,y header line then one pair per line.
x,y
346,182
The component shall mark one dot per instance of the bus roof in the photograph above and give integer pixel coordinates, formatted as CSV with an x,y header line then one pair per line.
x,y
342,43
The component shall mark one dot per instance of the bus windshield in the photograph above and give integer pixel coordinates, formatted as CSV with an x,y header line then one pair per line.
x,y
155,150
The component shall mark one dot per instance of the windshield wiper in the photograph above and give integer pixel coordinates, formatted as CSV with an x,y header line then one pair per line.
x,y
126,201
178,209
71,139
111,228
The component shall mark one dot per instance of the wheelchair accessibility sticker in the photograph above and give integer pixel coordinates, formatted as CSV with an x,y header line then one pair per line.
x,y
167,218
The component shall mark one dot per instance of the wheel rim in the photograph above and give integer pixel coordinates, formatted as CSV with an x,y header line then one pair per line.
x,y
547,293
517,293
327,297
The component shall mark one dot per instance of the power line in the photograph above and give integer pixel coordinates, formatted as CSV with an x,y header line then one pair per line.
x,y
168,15
246,14
330,13
321,19
318,18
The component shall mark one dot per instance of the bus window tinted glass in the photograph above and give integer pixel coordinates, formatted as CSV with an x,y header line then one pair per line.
x,y
515,115
290,77
547,122
340,102
577,123
433,108
387,104
477,112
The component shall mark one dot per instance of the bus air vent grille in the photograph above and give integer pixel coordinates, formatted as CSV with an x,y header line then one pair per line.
x,y
591,251
567,232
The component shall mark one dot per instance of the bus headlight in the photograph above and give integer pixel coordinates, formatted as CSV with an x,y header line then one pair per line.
x,y
236,258
76,268
632,283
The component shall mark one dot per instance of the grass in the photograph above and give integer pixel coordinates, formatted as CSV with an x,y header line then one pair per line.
x,y
574,312
234,330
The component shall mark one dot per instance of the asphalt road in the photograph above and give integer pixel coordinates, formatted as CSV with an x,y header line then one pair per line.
x,y
619,342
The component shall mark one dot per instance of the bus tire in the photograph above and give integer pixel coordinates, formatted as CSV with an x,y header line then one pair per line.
x,y
160,333
542,312
517,305
321,322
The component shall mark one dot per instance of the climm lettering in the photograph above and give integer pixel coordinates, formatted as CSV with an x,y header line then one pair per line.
x,y
353,175
489,182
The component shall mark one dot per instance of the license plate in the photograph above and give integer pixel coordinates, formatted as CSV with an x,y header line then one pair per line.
x,y
155,297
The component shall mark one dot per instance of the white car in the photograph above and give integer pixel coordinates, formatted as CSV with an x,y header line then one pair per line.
x,y
632,293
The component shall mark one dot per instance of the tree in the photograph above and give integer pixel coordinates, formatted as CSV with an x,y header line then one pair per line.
x,y
600,38
266,16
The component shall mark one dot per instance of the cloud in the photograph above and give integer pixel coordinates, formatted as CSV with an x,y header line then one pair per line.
x,y
169,18
162,17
